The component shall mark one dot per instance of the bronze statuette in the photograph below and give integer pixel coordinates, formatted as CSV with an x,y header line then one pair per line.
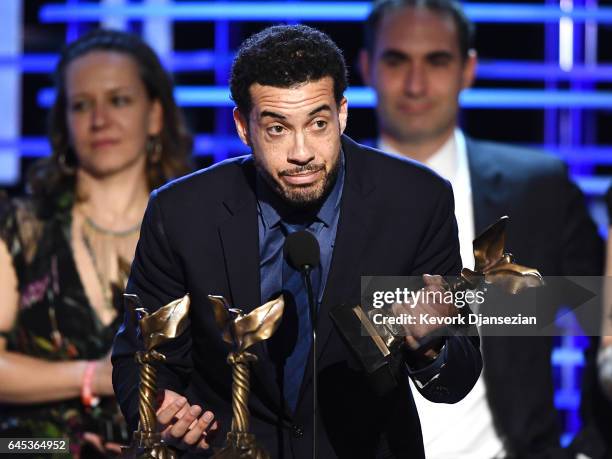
x,y
163,325
242,331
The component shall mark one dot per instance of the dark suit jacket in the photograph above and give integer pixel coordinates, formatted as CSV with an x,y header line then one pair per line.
x,y
550,230
200,235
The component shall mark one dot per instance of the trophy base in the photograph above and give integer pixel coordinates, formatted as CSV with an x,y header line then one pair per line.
x,y
157,452
381,362
241,445
148,445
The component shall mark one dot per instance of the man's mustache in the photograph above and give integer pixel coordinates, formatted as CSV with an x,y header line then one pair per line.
x,y
303,169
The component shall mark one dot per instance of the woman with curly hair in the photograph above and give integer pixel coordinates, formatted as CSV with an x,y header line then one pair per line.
x,y
65,250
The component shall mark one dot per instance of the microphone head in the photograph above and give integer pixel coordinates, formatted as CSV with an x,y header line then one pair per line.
x,y
301,250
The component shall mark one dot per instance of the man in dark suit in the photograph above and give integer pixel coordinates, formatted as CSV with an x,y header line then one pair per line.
x,y
418,58
221,231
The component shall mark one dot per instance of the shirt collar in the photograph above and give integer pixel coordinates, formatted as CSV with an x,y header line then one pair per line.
x,y
447,161
273,209
444,161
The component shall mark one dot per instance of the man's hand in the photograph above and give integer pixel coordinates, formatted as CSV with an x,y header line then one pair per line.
x,y
185,426
417,330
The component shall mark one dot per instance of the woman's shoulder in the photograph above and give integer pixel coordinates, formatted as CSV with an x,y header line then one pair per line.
x,y
8,214
16,209
19,221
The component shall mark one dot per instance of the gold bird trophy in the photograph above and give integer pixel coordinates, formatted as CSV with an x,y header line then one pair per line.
x,y
242,331
381,351
165,324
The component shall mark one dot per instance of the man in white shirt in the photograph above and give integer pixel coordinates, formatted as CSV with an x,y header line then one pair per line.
x,y
418,58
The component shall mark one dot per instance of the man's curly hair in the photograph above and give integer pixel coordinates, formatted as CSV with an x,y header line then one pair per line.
x,y
285,56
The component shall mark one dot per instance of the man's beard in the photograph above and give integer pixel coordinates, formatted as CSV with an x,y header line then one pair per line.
x,y
303,197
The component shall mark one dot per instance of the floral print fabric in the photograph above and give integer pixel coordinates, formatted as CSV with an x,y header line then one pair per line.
x,y
54,322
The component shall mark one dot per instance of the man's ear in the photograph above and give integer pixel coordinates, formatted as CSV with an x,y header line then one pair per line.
x,y
469,69
343,114
242,126
364,66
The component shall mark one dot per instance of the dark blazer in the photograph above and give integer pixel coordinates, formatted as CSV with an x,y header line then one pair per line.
x,y
549,229
200,235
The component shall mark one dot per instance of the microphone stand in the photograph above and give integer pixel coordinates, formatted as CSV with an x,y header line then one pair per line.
x,y
303,253
313,322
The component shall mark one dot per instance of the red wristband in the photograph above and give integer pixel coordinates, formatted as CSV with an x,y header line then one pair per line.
x,y
87,396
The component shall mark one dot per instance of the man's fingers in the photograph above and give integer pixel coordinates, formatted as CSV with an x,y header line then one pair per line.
x,y
167,414
181,426
209,421
399,309
412,342
182,412
434,282
208,427
209,436
194,435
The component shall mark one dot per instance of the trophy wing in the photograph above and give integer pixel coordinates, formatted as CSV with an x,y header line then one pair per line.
x,y
513,278
473,278
166,323
222,316
259,324
132,300
489,245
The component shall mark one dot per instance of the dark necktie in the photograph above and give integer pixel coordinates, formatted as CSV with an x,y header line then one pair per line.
x,y
295,289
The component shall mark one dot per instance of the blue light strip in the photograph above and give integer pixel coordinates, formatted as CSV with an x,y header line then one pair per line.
x,y
224,122
206,143
32,63
567,399
566,438
209,144
521,70
186,61
562,356
535,99
593,185
307,11
362,97
29,146
582,154
189,61
551,56
237,11
203,144
11,31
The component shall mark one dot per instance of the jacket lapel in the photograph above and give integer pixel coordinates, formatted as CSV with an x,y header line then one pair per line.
x,y
239,235
488,191
240,240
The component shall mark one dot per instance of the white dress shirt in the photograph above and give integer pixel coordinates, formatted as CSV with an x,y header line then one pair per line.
x,y
463,430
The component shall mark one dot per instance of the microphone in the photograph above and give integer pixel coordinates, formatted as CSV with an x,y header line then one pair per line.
x,y
302,252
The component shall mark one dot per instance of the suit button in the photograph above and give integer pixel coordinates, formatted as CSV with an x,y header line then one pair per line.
x,y
297,431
